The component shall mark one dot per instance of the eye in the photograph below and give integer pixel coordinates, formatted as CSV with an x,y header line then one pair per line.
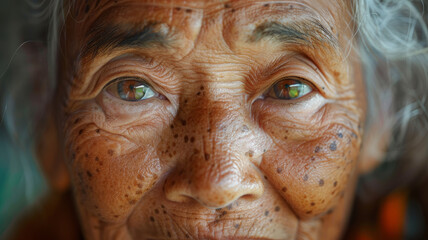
x,y
131,89
289,89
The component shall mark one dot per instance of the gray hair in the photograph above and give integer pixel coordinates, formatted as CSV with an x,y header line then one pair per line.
x,y
391,37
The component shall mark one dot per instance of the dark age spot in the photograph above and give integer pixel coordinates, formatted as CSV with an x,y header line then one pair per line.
x,y
335,184
277,209
317,149
97,131
284,189
312,204
340,135
177,8
152,219
266,213
308,212
266,5
89,174
188,10
183,122
110,152
80,131
186,139
169,234
333,146
227,5
175,135
279,170
321,182
237,225
305,178
192,139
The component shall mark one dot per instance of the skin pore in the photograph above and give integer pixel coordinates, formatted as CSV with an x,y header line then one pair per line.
x,y
215,152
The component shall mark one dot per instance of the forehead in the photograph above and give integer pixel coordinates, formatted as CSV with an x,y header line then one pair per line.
x,y
185,19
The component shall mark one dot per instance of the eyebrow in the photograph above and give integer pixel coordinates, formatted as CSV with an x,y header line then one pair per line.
x,y
104,38
306,32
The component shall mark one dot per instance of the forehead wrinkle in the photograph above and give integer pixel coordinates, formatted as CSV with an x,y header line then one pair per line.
x,y
308,32
109,37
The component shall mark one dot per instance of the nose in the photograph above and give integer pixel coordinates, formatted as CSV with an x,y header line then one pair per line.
x,y
218,167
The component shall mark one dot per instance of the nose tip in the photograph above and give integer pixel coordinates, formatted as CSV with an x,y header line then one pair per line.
x,y
214,188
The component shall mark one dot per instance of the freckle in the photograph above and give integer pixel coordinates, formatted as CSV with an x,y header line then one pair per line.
x,y
173,183
192,139
80,131
187,235
317,149
277,209
177,8
133,201
237,226
138,192
97,131
89,173
77,120
284,189
245,128
169,234
176,136
305,178
266,5
308,212
183,122
340,135
233,10
198,93
321,182
116,216
265,177
110,152
86,155
285,137
266,213
126,195
188,10
227,5
354,135
152,218
97,170
171,126
279,170
202,88
330,211
164,212
207,157
186,139
140,177
209,130
333,146
335,184
312,204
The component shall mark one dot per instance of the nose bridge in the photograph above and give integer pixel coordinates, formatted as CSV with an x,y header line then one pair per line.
x,y
214,170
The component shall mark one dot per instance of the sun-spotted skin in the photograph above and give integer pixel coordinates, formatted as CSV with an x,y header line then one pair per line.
x,y
213,157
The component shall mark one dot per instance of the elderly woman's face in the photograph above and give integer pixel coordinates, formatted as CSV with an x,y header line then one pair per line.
x,y
211,119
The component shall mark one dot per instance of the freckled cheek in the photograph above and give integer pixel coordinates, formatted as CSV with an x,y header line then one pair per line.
x,y
109,173
312,175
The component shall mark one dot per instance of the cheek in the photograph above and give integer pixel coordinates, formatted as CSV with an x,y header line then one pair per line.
x,y
309,164
110,173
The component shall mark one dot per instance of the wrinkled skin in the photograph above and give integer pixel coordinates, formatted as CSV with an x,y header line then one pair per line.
x,y
212,156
